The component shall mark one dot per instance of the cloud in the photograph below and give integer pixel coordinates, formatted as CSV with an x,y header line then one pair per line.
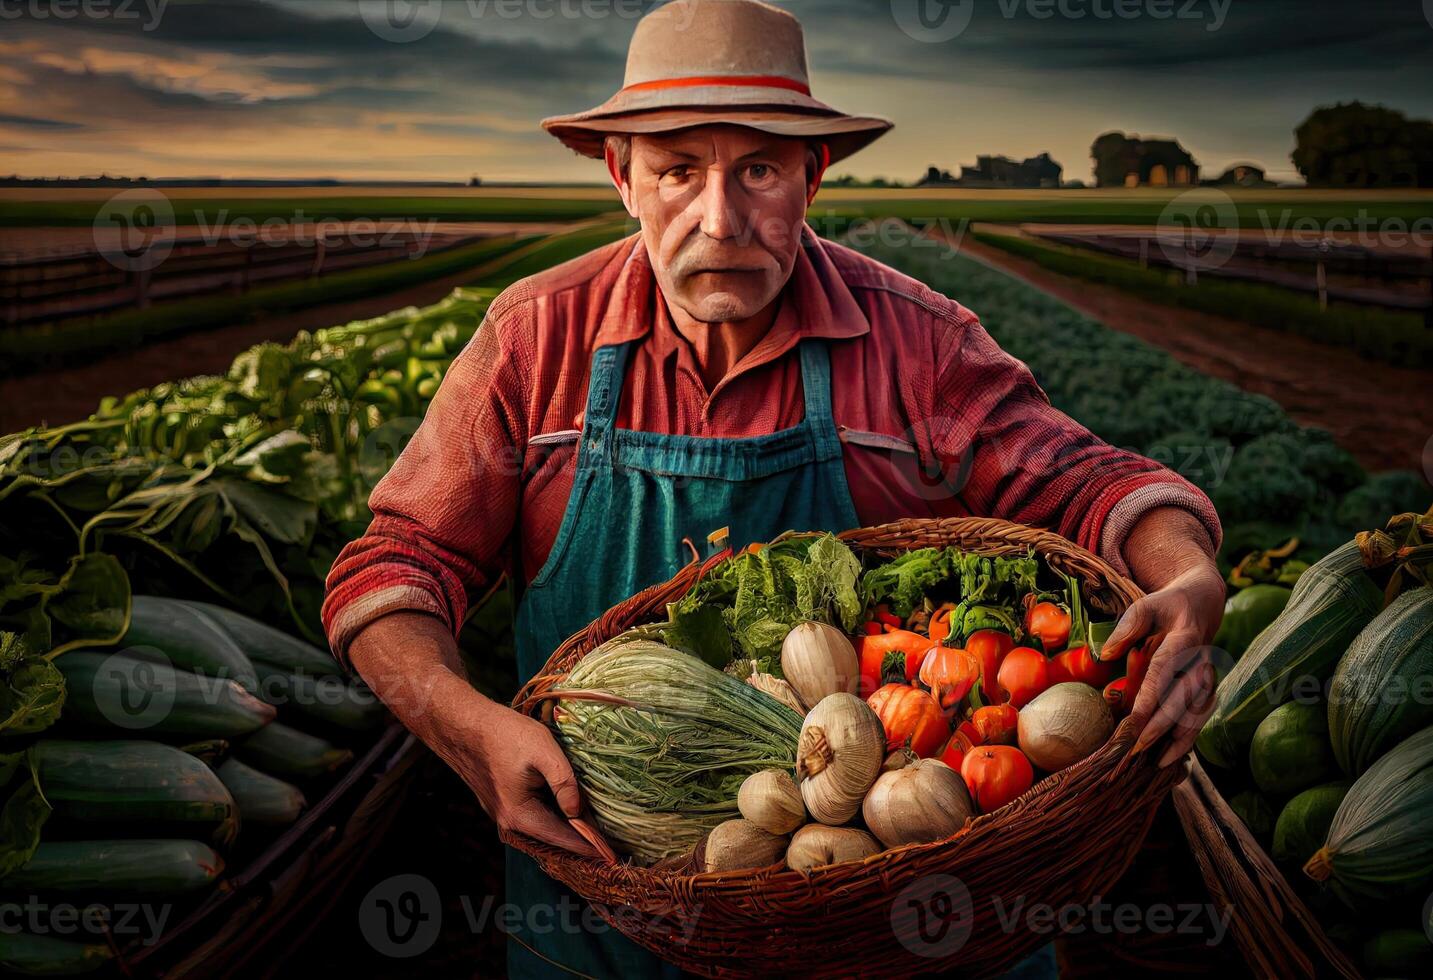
x,y
31,122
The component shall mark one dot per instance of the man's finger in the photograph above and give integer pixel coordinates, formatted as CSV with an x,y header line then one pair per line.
x,y
1175,652
557,772
1186,691
1132,627
540,823
1186,729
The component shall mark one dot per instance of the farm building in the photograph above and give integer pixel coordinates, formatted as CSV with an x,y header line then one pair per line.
x,y
1128,161
1242,175
999,171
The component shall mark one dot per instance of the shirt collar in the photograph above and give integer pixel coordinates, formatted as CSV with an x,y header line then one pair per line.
x,y
815,302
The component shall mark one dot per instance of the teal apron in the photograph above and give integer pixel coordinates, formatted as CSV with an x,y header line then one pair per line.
x,y
635,496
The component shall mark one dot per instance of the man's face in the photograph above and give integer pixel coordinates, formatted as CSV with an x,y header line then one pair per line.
x,y
721,209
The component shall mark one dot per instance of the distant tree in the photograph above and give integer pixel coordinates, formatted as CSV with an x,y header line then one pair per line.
x,y
1357,145
1111,155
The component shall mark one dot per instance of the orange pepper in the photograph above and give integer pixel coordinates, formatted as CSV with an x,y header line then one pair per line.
x,y
891,657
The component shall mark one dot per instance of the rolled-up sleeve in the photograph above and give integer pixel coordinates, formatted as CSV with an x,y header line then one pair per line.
x,y
1025,461
444,512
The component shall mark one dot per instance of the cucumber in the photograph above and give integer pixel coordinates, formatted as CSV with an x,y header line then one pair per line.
x,y
1290,750
263,800
1380,693
190,638
134,782
123,867
46,956
1398,953
1303,824
1331,603
330,700
280,750
134,696
264,643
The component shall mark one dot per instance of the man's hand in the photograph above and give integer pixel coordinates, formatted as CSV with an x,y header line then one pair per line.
x,y
1169,553
511,762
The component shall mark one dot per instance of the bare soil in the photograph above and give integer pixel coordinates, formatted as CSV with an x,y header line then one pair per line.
x,y
1381,414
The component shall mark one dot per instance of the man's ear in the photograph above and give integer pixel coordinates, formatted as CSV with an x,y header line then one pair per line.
x,y
821,158
619,180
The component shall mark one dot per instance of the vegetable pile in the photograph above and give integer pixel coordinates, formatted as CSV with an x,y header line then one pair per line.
x,y
799,707
1322,738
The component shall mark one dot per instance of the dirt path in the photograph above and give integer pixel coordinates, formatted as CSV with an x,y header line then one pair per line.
x,y
71,393
1380,413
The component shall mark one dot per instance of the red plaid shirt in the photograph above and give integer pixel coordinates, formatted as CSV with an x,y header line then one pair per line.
x,y
937,421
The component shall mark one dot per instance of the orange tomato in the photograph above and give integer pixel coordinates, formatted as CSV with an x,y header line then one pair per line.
x,y
996,723
990,648
950,673
893,657
1024,674
1115,696
1050,624
911,718
996,774
1079,664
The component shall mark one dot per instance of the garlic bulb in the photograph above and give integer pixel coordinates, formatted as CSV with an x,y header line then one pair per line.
x,y
838,757
770,800
779,689
738,844
922,802
816,845
818,660
1063,725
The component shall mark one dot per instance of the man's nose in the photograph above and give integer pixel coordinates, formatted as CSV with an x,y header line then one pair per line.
x,y
720,219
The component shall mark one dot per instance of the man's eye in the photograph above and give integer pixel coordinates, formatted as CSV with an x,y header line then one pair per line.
x,y
679,172
759,171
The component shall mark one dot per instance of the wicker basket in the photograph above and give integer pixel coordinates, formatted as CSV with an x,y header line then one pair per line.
x,y
913,909
1274,929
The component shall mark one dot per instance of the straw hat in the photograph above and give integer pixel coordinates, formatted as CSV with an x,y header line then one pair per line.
x,y
697,62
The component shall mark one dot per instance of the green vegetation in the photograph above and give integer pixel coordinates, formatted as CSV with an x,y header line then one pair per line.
x,y
213,211
43,344
1399,338
1270,478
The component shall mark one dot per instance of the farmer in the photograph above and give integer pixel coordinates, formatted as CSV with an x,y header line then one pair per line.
x,y
721,367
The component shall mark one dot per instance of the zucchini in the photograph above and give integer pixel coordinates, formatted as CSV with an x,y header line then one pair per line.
x,y
263,800
1303,824
133,782
1331,603
1290,749
127,867
280,750
266,644
1380,844
190,638
119,693
333,701
1379,695
46,956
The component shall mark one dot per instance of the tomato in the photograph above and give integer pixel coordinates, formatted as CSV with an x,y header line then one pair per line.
x,y
1024,674
1115,696
990,648
1079,664
912,718
950,673
996,774
1136,666
956,749
940,622
893,657
1050,624
873,628
996,723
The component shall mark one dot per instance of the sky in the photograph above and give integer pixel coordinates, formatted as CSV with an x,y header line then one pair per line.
x,y
330,88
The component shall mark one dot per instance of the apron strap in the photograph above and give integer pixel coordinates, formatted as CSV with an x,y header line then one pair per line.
x,y
816,384
604,389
